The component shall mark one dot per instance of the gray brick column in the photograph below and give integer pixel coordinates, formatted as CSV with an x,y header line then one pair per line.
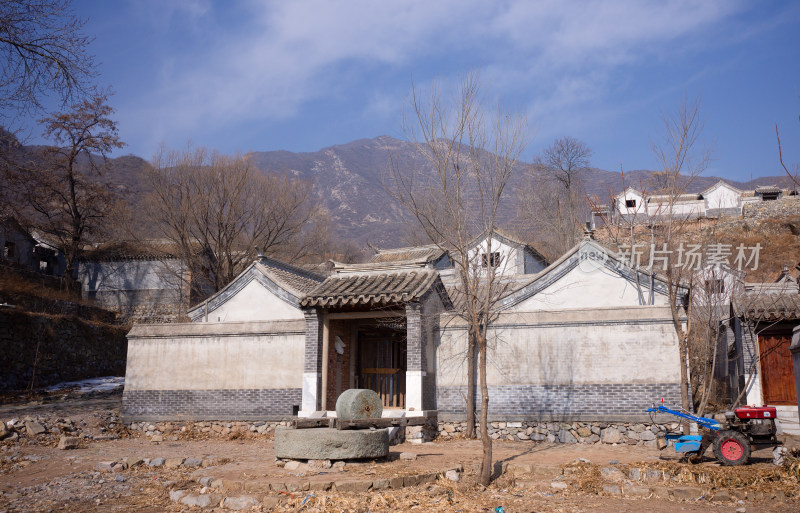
x,y
415,357
312,363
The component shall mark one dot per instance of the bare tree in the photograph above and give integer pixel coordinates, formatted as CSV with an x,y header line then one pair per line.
x,y
215,209
45,53
472,153
62,190
652,234
553,194
794,174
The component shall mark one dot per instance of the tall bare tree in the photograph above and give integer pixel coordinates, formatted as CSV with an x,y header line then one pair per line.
x,y
472,153
216,208
62,191
45,53
552,198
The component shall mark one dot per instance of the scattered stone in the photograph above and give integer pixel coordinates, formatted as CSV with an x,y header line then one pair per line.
x,y
612,489
687,493
105,466
68,442
635,474
453,475
156,438
652,475
156,462
295,465
134,462
177,495
240,503
34,428
612,474
741,510
173,462
192,462
722,496
558,485
202,501
338,466
637,491
322,486
353,486
380,484
4,431
322,464
408,456
119,478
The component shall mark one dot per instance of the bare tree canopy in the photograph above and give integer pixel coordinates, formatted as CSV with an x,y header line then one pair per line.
x,y
566,159
473,153
45,54
63,194
216,209
552,199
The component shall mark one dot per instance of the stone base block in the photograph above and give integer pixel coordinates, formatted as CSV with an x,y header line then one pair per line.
x,y
331,444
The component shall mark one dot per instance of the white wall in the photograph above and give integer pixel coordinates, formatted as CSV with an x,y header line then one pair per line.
x,y
722,197
639,209
682,208
210,356
597,287
597,346
254,303
509,260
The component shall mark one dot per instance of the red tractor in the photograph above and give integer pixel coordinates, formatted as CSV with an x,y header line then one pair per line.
x,y
744,429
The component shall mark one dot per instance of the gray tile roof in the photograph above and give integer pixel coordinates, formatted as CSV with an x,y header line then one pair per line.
x,y
373,289
758,306
424,253
297,278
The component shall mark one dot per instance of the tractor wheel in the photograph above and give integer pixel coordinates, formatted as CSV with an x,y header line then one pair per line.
x,y
731,448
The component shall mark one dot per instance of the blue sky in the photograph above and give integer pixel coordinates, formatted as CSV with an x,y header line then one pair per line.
x,y
303,75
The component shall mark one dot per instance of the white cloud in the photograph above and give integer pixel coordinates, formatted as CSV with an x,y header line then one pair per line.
x,y
287,53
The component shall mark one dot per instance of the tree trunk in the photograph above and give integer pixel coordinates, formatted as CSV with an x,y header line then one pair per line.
x,y
471,384
684,378
485,475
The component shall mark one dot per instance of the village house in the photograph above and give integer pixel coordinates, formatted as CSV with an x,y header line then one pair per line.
x,y
582,338
28,250
140,281
721,199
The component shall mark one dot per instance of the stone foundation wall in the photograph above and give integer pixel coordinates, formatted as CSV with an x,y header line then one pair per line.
x,y
570,433
787,206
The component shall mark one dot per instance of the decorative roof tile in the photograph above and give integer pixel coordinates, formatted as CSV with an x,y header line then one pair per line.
x,y
371,289
761,307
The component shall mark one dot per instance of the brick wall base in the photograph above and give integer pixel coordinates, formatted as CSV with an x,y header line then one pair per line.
x,y
251,404
563,401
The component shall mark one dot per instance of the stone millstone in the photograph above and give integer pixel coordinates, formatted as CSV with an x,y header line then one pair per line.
x,y
359,403
331,444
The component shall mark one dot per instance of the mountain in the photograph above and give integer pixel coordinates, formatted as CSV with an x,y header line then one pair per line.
x,y
348,182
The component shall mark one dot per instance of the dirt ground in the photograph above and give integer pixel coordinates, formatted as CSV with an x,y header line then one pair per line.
x,y
530,477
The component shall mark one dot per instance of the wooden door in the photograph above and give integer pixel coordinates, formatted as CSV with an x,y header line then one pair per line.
x,y
382,366
777,370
